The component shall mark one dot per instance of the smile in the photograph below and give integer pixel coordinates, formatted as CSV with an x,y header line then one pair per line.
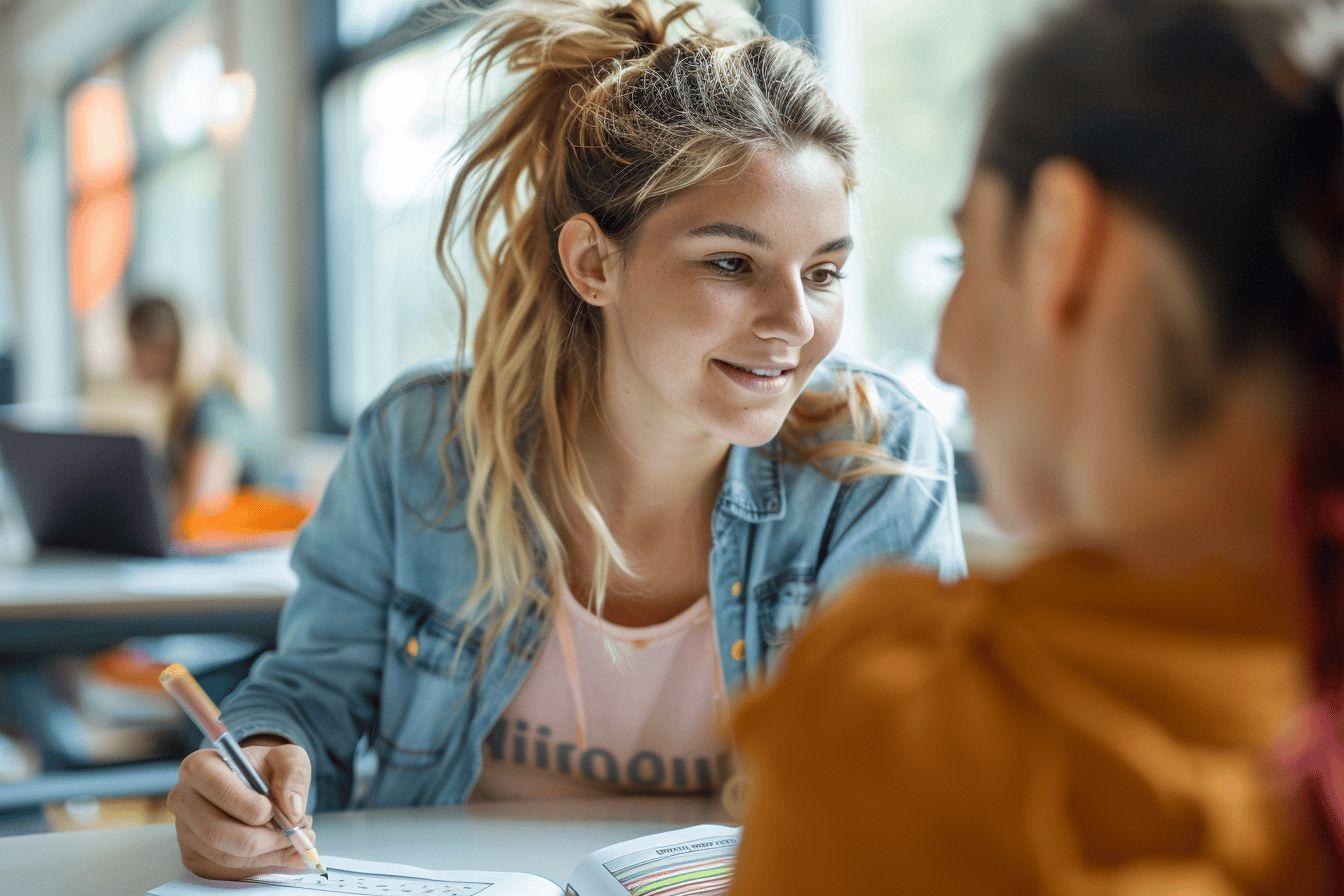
x,y
761,380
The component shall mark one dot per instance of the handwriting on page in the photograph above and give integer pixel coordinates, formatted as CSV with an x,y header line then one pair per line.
x,y
371,884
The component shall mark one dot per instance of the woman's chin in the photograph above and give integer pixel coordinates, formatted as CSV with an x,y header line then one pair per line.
x,y
747,430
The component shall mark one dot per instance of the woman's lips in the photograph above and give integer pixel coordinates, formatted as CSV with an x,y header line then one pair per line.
x,y
761,385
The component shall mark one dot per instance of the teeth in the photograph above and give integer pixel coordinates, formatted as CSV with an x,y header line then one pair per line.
x,y
769,372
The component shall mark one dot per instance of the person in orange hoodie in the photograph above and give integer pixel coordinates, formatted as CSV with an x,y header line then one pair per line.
x,y
1148,328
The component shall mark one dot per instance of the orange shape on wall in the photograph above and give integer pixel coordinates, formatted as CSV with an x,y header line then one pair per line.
x,y
101,161
100,243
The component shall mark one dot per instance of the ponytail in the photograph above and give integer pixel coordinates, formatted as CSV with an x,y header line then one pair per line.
x,y
1315,505
1316,499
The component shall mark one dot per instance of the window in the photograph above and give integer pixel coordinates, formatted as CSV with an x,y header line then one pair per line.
x,y
910,71
360,22
179,191
387,125
145,186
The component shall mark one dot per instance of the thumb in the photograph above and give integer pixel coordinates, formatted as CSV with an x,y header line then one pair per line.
x,y
289,775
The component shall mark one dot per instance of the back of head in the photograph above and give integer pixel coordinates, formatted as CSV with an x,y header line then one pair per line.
x,y
1195,113
1201,115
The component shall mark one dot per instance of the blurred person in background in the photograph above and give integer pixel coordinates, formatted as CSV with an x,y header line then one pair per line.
x,y
610,521
215,441
1148,327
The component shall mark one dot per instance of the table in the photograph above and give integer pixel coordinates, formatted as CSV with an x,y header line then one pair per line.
x,y
546,838
71,602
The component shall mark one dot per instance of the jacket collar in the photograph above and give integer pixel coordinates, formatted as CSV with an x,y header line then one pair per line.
x,y
752,489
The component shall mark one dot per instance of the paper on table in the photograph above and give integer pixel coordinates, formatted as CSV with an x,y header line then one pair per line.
x,y
353,876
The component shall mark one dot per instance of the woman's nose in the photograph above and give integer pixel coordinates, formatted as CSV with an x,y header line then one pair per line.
x,y
785,314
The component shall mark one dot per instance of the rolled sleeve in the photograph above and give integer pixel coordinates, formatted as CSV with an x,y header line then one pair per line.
x,y
319,688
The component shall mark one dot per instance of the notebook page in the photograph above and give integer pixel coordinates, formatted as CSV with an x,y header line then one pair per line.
x,y
695,861
355,877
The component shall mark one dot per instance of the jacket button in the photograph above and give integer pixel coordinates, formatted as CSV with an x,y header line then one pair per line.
x,y
736,590
738,651
413,646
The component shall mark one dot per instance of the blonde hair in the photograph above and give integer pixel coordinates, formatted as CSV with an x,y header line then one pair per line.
x,y
617,109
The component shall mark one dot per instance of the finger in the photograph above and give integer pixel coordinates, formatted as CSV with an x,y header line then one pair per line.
x,y
288,773
207,860
202,866
217,863
282,860
206,772
222,832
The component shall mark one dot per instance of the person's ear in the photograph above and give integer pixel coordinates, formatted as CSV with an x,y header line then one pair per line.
x,y
1060,242
588,258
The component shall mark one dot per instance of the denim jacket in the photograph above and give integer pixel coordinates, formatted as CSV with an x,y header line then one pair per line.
x,y
365,655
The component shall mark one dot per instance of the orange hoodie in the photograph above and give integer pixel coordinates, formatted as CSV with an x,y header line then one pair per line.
x,y
1078,729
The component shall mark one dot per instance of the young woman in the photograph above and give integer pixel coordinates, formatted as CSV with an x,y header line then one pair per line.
x,y
214,442
1148,327
543,573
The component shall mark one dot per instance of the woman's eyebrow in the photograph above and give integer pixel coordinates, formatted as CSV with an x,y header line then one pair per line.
x,y
843,244
732,231
747,235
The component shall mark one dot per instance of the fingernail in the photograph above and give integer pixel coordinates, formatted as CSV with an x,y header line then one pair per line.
x,y
296,804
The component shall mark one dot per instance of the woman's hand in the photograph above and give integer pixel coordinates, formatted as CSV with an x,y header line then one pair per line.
x,y
223,826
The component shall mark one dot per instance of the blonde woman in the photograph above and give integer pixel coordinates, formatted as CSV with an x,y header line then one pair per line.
x,y
544,573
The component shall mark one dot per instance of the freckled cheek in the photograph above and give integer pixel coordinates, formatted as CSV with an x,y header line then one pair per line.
x,y
705,313
827,320
681,323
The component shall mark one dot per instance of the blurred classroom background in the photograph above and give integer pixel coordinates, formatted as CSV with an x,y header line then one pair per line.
x,y
216,228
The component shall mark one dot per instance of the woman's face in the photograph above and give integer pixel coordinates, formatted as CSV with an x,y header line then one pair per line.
x,y
729,297
1058,332
154,360
991,345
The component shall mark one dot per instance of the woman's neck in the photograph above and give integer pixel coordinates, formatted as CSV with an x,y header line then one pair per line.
x,y
647,468
1221,498
655,487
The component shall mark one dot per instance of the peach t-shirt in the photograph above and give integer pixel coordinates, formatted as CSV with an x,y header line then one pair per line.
x,y
613,708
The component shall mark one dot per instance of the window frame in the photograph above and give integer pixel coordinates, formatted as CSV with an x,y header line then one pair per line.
x,y
129,55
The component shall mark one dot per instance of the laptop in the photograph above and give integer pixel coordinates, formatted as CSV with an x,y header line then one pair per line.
x,y
89,491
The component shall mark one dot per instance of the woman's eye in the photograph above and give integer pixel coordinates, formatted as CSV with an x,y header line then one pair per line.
x,y
732,264
825,276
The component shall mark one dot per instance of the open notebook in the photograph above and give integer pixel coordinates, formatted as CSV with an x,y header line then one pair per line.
x,y
694,861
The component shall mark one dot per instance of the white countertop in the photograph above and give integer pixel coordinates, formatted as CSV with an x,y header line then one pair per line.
x,y
546,838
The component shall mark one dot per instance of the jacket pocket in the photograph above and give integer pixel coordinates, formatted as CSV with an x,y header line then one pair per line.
x,y
784,603
429,681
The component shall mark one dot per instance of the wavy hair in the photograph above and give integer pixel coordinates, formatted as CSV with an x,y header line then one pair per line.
x,y
614,108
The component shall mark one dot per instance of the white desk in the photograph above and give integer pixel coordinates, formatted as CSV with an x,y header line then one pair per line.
x,y
546,838
69,601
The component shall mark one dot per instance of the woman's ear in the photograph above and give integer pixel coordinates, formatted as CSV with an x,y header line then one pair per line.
x,y
588,257
1060,243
